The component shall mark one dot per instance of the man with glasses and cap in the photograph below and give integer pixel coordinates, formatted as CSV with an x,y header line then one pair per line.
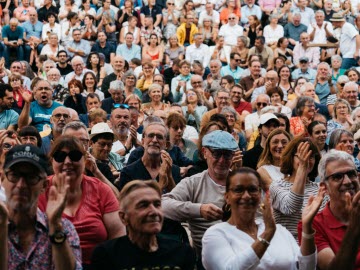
x,y
198,199
268,122
304,70
336,228
30,238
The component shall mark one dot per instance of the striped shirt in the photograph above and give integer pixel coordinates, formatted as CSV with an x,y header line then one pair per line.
x,y
288,205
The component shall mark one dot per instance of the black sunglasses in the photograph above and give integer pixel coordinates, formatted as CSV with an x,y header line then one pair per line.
x,y
74,156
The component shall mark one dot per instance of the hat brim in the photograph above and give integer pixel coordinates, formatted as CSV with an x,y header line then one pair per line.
x,y
26,160
337,20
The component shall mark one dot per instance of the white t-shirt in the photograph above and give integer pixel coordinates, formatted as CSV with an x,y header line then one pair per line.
x,y
348,40
2,194
320,33
231,33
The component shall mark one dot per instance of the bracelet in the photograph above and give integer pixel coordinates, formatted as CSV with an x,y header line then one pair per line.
x,y
126,150
263,241
308,236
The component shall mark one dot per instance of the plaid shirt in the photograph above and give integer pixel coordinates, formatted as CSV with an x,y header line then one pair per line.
x,y
39,255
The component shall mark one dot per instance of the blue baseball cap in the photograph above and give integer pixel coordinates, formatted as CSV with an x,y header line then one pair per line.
x,y
220,139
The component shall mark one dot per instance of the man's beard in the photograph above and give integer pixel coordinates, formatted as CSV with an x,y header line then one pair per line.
x,y
122,131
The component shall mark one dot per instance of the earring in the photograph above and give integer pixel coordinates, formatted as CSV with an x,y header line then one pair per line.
x,y
227,208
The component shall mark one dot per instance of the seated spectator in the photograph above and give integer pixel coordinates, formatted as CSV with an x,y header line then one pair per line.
x,y
16,83
124,20
86,9
193,108
186,31
129,81
249,9
253,30
231,30
68,27
143,246
153,10
323,83
293,30
304,70
105,10
273,31
12,36
93,64
103,46
52,48
317,131
96,214
305,109
118,64
307,14
92,101
147,29
282,50
96,116
101,141
277,99
155,95
16,67
170,19
55,243
90,85
107,25
48,7
32,37
89,31
62,64
78,66
231,7
129,49
78,46
117,97
341,117
264,51
302,49
67,7
135,102
30,135
22,13
76,100
233,68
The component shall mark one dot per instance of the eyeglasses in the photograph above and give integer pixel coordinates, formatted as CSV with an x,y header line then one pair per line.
x,y
15,80
190,94
217,153
171,4
230,116
59,115
120,106
31,180
74,156
16,67
103,144
342,84
159,137
261,104
237,60
232,18
7,146
240,190
339,176
198,82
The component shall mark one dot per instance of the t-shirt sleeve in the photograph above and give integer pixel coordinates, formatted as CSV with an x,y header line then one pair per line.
x,y
321,238
350,31
13,118
108,201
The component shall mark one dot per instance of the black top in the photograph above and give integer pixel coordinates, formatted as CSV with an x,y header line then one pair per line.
x,y
42,12
107,50
121,253
66,70
106,84
252,156
78,106
137,171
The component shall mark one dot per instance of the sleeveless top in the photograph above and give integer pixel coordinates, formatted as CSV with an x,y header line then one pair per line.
x,y
274,172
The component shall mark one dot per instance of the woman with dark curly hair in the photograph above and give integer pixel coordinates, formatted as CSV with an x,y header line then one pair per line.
x,y
76,100
93,63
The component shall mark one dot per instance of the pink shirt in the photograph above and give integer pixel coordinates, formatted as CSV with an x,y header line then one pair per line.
x,y
269,4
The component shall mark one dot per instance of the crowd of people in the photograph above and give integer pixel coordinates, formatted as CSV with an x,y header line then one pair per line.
x,y
179,134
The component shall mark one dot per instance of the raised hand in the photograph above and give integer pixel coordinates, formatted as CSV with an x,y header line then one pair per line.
x,y
57,199
303,153
353,206
237,160
90,163
268,216
26,95
312,208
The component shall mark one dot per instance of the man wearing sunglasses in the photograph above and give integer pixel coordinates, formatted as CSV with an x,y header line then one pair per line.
x,y
29,237
231,30
336,228
198,199
233,68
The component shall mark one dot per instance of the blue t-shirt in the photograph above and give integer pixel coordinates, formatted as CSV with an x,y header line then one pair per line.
x,y
12,35
32,30
8,118
41,115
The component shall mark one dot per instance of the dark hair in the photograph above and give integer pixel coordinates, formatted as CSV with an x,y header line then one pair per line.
x,y
71,15
51,14
312,125
3,88
280,41
218,117
94,77
106,136
76,83
352,69
31,131
301,104
88,63
136,61
275,90
66,141
151,35
61,51
288,154
232,55
280,69
228,78
261,39
175,120
92,95
243,170
287,122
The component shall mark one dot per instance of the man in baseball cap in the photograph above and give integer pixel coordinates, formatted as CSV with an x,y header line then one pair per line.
x,y
198,199
42,240
268,122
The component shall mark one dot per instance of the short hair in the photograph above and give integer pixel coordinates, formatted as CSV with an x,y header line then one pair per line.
x,y
217,61
76,83
116,85
335,56
167,135
93,114
77,58
136,61
92,95
261,39
301,104
351,84
74,125
184,62
275,90
175,120
320,12
297,14
71,15
153,87
62,51
218,117
230,79
221,90
341,101
128,73
66,141
135,185
31,131
232,55
229,109
49,62
336,136
132,96
303,88
333,155
288,154
354,112
3,88
324,64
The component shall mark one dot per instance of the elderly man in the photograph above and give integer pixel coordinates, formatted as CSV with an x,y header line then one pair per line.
x,y
118,63
198,199
142,247
323,83
78,65
129,50
32,35
302,49
349,41
304,70
222,99
264,51
337,231
214,77
9,117
59,118
101,141
78,46
320,31
16,66
250,9
12,36
38,112
209,14
198,51
233,68
104,46
254,80
156,163
271,81
231,30
116,91
328,9
350,93
30,238
293,30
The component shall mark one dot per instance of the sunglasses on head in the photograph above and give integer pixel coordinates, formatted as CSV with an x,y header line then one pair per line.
x,y
121,106
74,156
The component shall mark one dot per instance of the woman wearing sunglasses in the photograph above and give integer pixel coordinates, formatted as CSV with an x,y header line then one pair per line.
x,y
91,205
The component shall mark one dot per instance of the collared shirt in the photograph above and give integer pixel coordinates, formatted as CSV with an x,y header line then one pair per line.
x,y
309,74
307,15
83,45
246,11
323,91
40,254
320,33
200,54
294,32
215,17
107,50
32,30
231,33
348,40
266,54
128,53
313,53
236,74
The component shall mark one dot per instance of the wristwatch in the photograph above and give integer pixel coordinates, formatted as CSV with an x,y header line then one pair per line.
x,y
58,237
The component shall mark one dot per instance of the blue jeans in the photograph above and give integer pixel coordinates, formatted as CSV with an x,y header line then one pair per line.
x,y
348,63
7,50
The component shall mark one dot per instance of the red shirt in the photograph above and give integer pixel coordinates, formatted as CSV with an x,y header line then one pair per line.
x,y
329,232
97,200
243,106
